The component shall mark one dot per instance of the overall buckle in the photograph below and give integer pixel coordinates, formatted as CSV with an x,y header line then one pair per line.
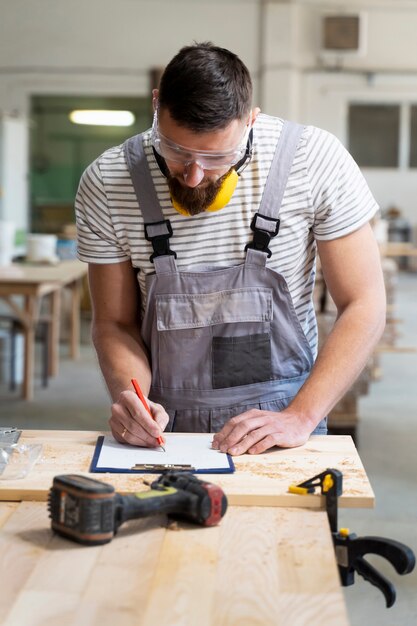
x,y
263,235
159,240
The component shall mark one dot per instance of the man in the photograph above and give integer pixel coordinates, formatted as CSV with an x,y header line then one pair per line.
x,y
201,236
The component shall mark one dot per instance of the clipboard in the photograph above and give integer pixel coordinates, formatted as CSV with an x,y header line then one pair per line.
x,y
189,451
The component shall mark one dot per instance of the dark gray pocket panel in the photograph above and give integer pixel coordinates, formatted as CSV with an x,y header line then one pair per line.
x,y
241,360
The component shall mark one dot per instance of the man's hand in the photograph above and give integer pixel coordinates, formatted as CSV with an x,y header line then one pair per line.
x,y
256,431
131,423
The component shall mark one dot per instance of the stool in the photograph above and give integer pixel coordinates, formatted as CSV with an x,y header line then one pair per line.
x,y
42,333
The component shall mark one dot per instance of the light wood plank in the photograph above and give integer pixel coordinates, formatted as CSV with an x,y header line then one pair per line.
x,y
260,480
184,581
99,585
41,608
23,538
259,567
283,567
6,510
120,585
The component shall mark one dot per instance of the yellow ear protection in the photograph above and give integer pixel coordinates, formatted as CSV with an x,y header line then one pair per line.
x,y
222,198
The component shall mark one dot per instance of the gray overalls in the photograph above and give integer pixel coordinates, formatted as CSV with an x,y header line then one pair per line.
x,y
221,340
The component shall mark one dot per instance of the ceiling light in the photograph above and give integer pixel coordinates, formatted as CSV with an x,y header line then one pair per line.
x,y
102,118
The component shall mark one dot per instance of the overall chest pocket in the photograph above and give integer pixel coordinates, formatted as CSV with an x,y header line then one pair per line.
x,y
213,340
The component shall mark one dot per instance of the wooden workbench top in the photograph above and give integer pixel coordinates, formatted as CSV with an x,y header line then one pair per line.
x,y
259,567
63,272
259,480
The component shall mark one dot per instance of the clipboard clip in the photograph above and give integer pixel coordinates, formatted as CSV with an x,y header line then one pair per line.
x,y
163,467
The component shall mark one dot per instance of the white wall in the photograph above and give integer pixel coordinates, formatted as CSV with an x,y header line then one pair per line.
x,y
14,169
323,86
104,47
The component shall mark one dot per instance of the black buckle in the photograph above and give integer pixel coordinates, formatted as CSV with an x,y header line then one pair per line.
x,y
261,238
160,243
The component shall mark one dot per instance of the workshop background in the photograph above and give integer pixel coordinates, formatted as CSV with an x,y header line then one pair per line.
x,y
348,67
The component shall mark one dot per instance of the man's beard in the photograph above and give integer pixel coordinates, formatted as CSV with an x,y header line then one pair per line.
x,y
195,200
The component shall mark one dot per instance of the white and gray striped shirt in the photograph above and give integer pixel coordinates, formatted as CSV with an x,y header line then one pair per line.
x,y
326,197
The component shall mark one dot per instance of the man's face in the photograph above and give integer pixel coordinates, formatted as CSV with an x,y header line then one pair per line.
x,y
199,162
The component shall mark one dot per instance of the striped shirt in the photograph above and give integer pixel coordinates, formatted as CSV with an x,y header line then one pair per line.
x,y
326,197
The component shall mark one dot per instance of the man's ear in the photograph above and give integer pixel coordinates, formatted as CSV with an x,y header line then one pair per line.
x,y
155,95
254,114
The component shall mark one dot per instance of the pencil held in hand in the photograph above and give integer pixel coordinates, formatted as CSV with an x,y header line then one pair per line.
x,y
141,397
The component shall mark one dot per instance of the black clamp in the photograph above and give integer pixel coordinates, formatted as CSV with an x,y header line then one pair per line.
x,y
160,242
331,485
261,236
351,549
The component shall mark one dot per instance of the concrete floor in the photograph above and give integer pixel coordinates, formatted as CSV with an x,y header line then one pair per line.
x,y
387,439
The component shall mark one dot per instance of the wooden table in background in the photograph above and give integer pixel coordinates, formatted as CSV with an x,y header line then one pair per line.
x,y
34,282
270,562
398,249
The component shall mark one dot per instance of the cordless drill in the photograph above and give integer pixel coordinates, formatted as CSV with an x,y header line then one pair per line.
x,y
90,512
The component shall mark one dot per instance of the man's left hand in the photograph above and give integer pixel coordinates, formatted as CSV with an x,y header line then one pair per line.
x,y
255,431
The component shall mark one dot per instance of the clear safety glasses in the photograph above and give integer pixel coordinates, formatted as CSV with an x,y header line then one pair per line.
x,y
209,160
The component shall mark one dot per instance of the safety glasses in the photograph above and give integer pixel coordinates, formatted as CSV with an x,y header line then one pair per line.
x,y
209,160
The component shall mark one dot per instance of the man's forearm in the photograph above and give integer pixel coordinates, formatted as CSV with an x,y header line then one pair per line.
x,y
122,356
341,359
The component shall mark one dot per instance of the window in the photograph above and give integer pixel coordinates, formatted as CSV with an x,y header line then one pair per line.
x,y
60,151
374,134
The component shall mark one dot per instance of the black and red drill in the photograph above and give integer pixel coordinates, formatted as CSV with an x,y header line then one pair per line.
x,y
90,512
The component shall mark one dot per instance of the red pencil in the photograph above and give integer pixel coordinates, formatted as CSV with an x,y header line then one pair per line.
x,y
145,404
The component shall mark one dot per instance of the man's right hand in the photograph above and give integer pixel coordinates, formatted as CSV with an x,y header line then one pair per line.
x,y
131,423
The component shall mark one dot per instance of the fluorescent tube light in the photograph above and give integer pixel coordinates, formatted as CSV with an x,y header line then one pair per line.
x,y
102,118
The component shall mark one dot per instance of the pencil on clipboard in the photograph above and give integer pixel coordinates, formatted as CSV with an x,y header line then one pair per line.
x,y
141,397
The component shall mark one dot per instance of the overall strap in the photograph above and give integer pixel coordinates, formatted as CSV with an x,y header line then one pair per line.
x,y
265,222
157,229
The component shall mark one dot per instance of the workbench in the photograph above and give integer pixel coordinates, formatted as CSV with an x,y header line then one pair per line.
x,y
398,249
32,283
269,562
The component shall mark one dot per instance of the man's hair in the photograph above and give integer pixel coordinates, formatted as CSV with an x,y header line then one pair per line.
x,y
205,87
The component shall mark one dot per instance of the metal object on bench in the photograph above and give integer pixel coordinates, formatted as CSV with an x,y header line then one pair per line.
x,y
9,435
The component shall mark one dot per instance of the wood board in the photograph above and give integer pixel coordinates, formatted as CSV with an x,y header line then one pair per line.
x,y
259,480
268,566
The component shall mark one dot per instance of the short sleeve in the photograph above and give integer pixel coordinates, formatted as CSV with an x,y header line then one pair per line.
x,y
342,200
97,241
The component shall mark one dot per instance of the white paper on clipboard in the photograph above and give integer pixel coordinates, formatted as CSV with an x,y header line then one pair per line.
x,y
181,449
